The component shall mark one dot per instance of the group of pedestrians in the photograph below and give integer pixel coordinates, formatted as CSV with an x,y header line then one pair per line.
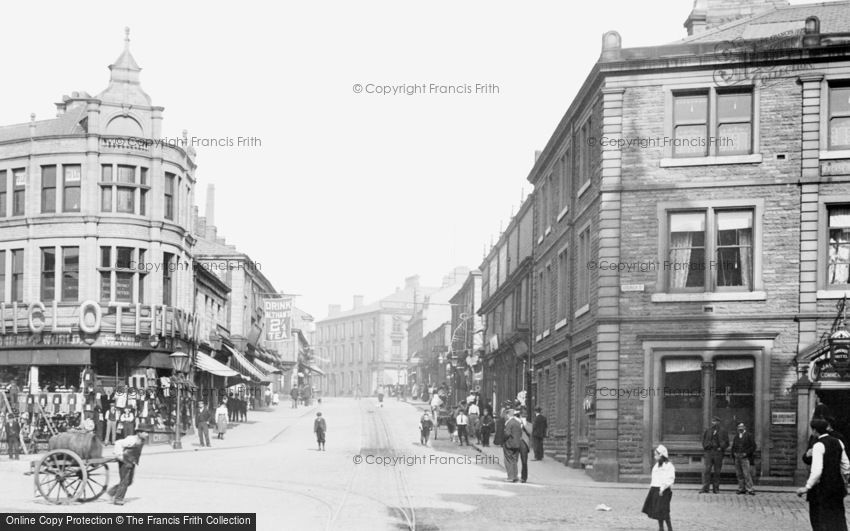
x,y
207,417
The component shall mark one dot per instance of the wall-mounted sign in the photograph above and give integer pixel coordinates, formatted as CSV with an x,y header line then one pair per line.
x,y
787,418
631,287
835,167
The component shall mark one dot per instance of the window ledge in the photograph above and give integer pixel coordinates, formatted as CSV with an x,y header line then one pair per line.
x,y
833,293
583,188
545,334
835,154
710,297
561,324
583,310
563,212
754,158
548,231
538,337
540,240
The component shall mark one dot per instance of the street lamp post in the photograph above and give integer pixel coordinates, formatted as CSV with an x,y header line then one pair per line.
x,y
180,364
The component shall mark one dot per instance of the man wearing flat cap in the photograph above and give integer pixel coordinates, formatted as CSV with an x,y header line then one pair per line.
x,y
714,445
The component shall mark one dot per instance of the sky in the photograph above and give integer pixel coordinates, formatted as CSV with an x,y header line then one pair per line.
x,y
347,193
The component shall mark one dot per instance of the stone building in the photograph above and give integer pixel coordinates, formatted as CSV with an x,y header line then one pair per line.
x,y
95,260
366,346
506,307
691,229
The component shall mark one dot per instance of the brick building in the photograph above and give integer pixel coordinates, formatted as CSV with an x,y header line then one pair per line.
x,y
505,305
691,228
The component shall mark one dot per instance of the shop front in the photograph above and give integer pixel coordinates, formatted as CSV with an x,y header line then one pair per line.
x,y
64,364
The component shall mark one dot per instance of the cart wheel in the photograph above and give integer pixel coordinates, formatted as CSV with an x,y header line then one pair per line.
x,y
97,480
60,477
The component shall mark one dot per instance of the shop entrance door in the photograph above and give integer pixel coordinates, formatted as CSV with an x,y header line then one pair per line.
x,y
838,402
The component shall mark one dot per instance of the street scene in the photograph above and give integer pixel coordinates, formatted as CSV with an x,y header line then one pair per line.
x,y
371,265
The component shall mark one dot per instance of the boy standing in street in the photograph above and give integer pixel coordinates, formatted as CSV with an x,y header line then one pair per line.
x,y
319,428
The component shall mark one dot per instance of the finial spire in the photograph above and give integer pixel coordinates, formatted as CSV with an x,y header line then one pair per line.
x,y
127,36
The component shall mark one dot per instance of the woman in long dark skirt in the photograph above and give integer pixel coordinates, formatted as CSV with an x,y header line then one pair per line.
x,y
657,504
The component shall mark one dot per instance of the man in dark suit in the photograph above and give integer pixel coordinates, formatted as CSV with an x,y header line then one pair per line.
x,y
825,489
202,422
13,435
743,450
714,444
538,432
512,443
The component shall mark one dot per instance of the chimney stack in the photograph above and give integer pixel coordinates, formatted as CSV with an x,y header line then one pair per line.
x,y
210,211
411,282
358,301
708,14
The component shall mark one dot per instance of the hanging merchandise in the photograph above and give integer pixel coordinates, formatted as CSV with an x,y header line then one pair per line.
x,y
132,397
121,397
165,382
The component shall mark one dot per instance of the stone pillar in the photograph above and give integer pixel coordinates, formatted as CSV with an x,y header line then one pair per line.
x,y
707,383
606,466
805,405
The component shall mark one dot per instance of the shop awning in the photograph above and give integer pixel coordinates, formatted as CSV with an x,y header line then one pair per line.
x,y
246,367
46,356
157,360
265,367
316,369
208,364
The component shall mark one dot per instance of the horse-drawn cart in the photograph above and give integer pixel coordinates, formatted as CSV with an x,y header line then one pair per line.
x,y
73,470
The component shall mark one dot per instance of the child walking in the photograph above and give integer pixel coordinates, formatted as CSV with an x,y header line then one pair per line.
x,y
320,427
425,427
657,504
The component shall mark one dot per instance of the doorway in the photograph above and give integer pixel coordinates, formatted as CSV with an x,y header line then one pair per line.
x,y
838,402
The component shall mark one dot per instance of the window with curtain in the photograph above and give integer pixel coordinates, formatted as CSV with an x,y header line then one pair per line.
x,y
71,179
734,248
734,122
70,273
687,251
19,182
839,117
838,267
734,391
682,402
48,274
48,189
690,125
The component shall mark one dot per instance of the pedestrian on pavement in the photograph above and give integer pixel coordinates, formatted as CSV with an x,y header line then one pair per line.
x,y
128,422
268,396
320,427
275,398
657,504
462,424
512,443
128,451
111,424
715,441
474,421
381,396
13,435
425,427
538,432
221,419
825,489
436,404
451,425
487,426
499,437
743,451
230,405
294,395
202,422
525,445
822,411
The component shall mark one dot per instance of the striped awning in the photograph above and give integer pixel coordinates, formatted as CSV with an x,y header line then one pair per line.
x,y
211,365
241,363
265,367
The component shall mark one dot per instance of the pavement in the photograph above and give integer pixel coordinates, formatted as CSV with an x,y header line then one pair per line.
x,y
376,475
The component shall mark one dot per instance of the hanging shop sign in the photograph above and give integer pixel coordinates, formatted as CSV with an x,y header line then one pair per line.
x,y
277,313
69,324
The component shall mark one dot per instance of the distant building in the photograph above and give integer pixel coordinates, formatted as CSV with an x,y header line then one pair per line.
x,y
366,346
